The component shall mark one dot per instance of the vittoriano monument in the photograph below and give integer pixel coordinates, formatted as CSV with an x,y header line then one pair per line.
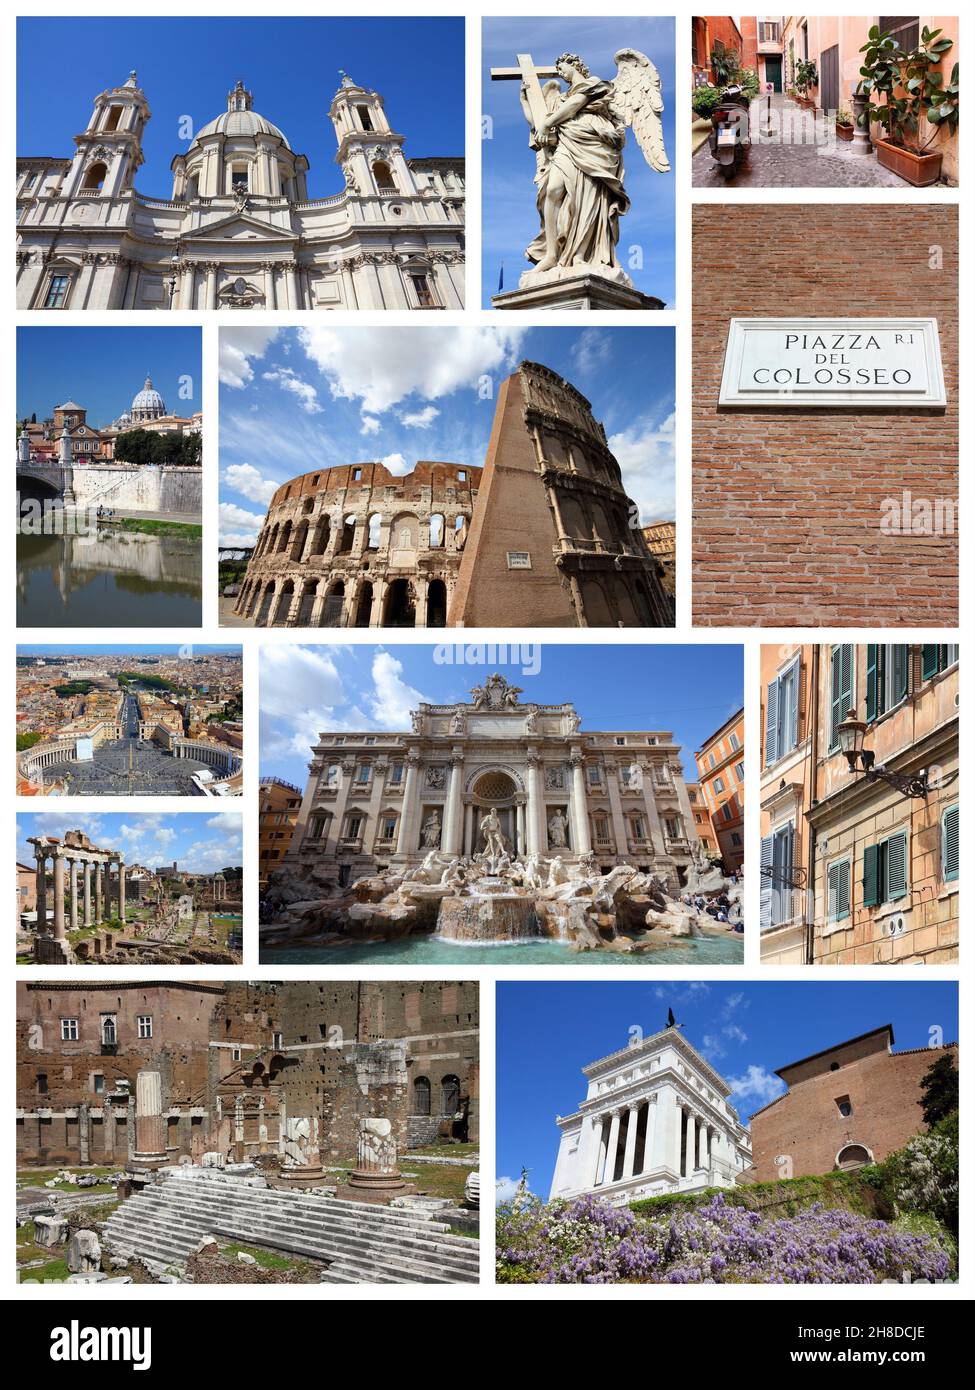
x,y
578,134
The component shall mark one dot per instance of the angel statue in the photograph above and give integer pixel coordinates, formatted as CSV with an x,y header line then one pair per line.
x,y
578,136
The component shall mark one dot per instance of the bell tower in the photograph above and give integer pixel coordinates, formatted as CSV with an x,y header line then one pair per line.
x,y
370,152
109,150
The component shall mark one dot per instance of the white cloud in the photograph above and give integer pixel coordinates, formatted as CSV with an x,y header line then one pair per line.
x,y
238,346
305,392
248,481
238,527
396,464
506,1188
590,349
645,454
370,425
419,419
392,699
380,369
230,821
756,1087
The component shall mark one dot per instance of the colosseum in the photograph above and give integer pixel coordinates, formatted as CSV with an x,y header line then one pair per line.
x,y
543,535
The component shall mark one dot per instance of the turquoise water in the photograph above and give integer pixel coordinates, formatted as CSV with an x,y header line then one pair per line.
x,y
709,950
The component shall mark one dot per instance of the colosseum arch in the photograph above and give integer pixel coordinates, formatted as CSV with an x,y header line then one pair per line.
x,y
404,534
306,608
282,608
323,531
596,605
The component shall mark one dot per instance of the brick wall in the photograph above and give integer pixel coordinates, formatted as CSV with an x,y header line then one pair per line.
x,y
806,1124
787,502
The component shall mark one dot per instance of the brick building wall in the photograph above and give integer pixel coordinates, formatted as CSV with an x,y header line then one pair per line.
x,y
806,1125
788,501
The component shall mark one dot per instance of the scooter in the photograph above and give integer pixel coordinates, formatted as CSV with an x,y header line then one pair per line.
x,y
729,138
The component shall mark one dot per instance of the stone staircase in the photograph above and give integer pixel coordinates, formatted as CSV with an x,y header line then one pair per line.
x,y
360,1243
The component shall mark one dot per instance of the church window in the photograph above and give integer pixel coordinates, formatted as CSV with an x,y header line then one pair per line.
x,y
424,294
383,176
845,1106
114,117
239,178
57,292
365,120
95,177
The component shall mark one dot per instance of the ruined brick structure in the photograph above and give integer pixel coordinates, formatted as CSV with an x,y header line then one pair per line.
x,y
357,546
788,502
238,1061
544,535
852,1104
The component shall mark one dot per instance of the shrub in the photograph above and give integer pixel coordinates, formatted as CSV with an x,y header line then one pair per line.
x,y
586,1241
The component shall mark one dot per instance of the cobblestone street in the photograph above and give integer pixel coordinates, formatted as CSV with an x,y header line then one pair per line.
x,y
803,153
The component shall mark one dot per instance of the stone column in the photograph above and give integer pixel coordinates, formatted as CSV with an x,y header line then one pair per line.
x,y
41,890
520,828
187,284
466,848
73,888
121,891
150,1126
291,281
404,844
690,1146
536,843
453,809
270,295
702,1146
87,872
210,288
616,810
588,1171
59,893
99,893
632,1121
650,1139
580,815
613,1146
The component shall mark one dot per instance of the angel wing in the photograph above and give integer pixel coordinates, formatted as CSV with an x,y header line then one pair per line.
x,y
638,100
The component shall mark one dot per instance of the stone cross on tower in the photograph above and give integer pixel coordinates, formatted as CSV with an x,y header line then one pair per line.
x,y
527,73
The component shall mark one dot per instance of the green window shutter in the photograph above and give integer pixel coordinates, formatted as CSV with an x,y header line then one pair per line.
x,y
871,883
872,667
841,695
896,866
793,683
771,722
899,662
929,660
949,844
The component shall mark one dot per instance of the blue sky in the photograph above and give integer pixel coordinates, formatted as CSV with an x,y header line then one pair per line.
x,y
103,368
198,843
297,399
187,66
309,689
747,1031
510,219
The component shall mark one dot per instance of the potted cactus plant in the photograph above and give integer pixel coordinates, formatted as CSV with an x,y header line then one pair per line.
x,y
911,101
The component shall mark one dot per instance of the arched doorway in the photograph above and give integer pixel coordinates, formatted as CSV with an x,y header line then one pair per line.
x,y
308,596
495,790
265,607
363,609
400,608
436,603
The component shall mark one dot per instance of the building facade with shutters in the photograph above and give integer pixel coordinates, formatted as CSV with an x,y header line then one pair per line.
x,y
860,869
721,778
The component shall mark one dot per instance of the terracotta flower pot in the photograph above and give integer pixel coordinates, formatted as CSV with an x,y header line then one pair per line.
x,y
844,131
919,170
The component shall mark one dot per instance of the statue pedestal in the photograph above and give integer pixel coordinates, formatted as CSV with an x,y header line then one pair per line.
x,y
582,291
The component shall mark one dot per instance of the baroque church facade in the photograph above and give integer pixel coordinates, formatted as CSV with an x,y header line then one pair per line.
x,y
239,230
379,799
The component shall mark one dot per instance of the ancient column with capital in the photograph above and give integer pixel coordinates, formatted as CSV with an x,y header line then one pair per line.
x,y
59,893
121,891
581,843
453,811
588,1173
87,885
41,889
404,844
73,891
99,892
690,1146
537,842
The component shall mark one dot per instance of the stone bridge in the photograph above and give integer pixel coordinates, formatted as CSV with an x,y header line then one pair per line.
x,y
167,489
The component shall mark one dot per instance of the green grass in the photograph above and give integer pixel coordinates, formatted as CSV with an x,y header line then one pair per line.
x,y
147,527
445,1150
267,1259
37,1177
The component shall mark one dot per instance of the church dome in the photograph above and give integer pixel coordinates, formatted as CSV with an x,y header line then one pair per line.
x,y
147,404
240,120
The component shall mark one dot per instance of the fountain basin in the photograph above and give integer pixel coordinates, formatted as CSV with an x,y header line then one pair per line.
x,y
488,917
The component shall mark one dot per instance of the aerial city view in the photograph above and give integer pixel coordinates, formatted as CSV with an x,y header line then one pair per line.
x,y
110,721
109,477
97,894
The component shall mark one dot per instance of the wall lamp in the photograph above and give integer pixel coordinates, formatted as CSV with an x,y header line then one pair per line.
x,y
850,734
